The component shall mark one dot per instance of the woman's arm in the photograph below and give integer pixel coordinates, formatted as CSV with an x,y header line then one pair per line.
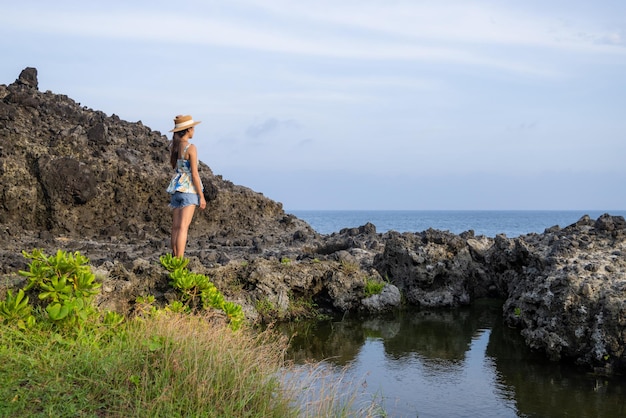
x,y
195,177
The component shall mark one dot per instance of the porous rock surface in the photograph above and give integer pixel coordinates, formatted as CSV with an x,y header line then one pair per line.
x,y
77,179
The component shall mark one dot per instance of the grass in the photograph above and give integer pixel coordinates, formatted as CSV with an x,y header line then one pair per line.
x,y
349,268
167,365
330,392
68,360
373,287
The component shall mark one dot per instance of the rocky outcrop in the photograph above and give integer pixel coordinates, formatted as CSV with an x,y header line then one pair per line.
x,y
565,289
388,299
78,180
79,173
568,294
432,268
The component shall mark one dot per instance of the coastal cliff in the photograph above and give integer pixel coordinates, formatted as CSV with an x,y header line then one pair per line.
x,y
77,179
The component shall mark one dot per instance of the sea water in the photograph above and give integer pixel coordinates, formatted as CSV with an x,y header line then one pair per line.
x,y
490,223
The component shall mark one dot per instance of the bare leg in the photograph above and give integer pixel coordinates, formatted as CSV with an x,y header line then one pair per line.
x,y
181,219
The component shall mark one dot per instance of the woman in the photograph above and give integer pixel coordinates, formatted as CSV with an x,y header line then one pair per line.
x,y
186,187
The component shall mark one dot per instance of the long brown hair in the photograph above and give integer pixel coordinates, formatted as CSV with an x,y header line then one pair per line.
x,y
175,146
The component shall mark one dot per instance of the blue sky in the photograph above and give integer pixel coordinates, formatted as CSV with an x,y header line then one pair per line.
x,y
357,104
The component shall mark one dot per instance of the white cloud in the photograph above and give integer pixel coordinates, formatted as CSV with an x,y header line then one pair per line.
x,y
451,31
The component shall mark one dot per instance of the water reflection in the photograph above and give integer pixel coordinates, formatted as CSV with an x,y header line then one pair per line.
x,y
461,363
544,389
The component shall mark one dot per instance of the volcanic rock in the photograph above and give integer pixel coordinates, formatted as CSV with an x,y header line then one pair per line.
x,y
76,179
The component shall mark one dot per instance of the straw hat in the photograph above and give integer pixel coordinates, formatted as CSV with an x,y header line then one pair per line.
x,y
182,122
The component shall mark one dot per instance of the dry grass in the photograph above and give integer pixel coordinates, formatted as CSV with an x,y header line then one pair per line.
x,y
195,367
322,390
168,365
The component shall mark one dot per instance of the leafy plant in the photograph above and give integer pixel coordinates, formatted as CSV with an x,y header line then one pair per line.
x,y
234,313
154,343
66,286
212,298
172,263
198,292
15,309
112,319
144,306
178,307
189,284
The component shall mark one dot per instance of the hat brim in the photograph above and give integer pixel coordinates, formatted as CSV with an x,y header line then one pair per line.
x,y
186,127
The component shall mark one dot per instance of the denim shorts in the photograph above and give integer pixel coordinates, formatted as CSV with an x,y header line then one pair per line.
x,y
180,200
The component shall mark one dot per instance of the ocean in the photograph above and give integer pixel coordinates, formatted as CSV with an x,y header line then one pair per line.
x,y
490,223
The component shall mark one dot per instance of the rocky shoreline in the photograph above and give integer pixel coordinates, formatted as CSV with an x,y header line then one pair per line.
x,y
84,181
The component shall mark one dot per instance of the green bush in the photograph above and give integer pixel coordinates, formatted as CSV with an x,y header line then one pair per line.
x,y
172,263
65,286
16,310
198,292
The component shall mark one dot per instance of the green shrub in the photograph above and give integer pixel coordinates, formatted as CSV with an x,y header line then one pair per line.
x,y
16,310
198,292
65,285
172,263
65,289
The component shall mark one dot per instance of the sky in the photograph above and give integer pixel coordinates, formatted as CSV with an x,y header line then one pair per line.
x,y
357,104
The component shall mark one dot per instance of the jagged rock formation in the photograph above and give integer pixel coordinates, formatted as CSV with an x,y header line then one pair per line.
x,y
79,180
79,173
84,181
567,290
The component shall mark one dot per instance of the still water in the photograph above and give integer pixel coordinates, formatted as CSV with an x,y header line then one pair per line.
x,y
454,363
